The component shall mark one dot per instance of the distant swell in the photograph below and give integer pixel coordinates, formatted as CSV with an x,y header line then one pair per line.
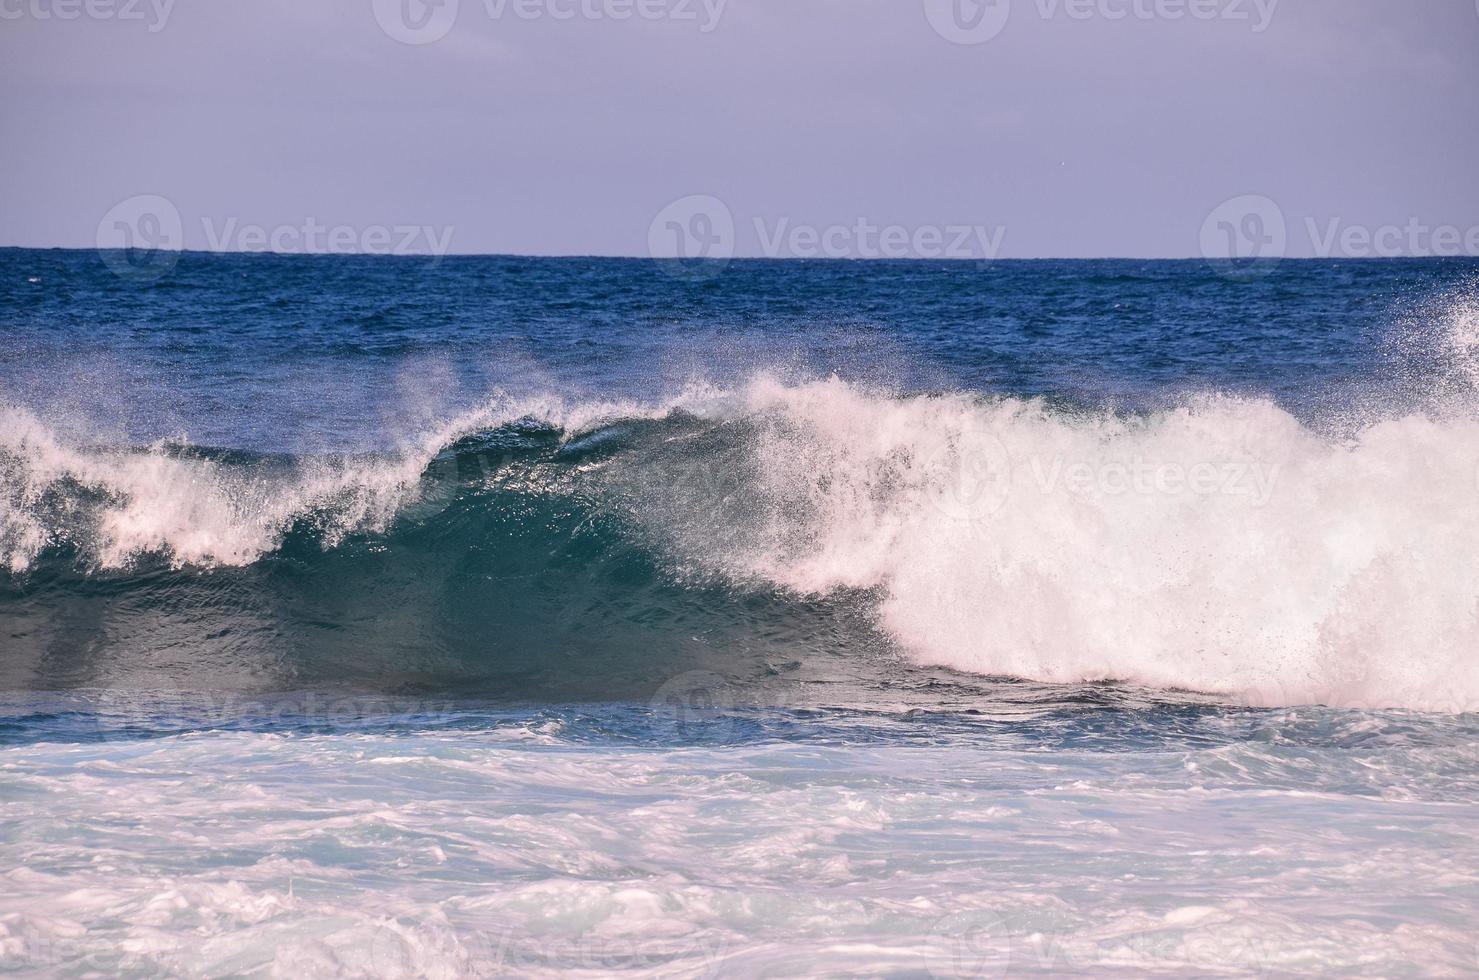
x,y
1219,545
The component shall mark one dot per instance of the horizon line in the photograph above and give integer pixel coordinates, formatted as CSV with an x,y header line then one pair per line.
x,y
979,260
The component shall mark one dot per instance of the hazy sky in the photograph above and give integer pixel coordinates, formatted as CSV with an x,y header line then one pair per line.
x,y
1067,128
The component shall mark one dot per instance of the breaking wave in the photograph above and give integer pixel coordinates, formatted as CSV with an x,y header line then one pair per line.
x,y
1216,545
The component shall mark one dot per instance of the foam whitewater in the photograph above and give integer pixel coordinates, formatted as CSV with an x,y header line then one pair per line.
x,y
1298,846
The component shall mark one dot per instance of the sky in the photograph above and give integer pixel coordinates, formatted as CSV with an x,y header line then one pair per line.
x,y
857,128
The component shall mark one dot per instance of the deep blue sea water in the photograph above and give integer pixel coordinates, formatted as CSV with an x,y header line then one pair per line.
x,y
505,616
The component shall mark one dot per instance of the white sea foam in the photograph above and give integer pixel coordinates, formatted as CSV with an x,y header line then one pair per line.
x,y
1222,546
483,853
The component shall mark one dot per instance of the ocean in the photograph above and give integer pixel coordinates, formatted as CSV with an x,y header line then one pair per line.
x,y
419,617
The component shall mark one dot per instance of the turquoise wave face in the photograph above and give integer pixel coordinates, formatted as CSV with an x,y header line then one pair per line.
x,y
514,570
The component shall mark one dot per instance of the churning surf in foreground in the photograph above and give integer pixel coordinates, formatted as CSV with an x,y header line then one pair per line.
x,y
528,616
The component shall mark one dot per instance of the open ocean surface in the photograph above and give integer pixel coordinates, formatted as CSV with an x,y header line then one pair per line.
x,y
509,616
